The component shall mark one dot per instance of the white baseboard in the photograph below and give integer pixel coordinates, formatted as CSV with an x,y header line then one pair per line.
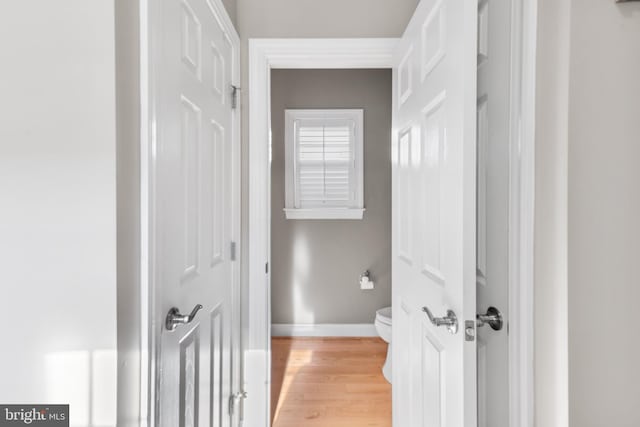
x,y
324,330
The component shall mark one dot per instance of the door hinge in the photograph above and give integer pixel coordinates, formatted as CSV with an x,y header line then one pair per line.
x,y
235,400
266,268
232,251
235,93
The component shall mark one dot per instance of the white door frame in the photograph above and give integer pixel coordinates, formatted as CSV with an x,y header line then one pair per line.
x,y
267,54
521,212
264,55
150,327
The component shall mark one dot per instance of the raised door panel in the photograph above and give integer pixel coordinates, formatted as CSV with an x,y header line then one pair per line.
x,y
433,158
189,403
189,175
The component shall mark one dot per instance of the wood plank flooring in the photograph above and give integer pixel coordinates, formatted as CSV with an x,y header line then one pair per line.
x,y
329,382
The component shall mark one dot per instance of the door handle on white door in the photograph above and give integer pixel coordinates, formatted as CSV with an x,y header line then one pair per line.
x,y
493,318
450,320
174,318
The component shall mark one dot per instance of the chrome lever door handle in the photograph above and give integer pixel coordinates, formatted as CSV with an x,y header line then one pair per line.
x,y
174,318
450,320
493,318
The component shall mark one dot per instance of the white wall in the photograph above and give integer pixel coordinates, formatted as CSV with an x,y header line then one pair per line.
x,y
58,206
604,214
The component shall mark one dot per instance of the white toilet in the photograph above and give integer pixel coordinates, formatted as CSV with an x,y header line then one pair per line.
x,y
383,326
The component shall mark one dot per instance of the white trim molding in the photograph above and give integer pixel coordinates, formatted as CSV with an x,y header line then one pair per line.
x,y
521,213
324,213
264,55
324,53
324,330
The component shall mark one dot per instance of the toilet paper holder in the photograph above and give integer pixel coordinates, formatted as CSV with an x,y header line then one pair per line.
x,y
365,280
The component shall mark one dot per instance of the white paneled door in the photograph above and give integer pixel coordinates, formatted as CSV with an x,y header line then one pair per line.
x,y
193,216
434,217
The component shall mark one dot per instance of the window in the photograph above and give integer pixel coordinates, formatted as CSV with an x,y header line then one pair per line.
x,y
324,164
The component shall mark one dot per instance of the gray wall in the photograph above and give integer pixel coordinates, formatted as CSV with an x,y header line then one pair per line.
x,y
316,263
232,9
587,210
604,214
300,18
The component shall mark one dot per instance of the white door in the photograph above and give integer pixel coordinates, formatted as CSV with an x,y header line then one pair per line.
x,y
494,76
193,208
434,216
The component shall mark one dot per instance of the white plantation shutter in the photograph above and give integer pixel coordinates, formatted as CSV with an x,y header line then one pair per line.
x,y
324,159
325,164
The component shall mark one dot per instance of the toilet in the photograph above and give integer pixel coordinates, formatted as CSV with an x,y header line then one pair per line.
x,y
383,326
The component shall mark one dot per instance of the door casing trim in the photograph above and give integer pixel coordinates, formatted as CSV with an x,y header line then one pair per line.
x,y
264,55
150,319
267,54
522,212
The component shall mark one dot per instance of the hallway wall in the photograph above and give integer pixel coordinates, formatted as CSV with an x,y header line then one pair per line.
x,y
587,209
316,263
58,206
604,214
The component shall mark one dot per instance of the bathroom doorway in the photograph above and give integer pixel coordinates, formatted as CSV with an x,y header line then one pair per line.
x,y
269,55
330,246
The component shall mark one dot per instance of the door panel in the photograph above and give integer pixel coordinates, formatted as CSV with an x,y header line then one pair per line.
x,y
493,124
193,170
434,182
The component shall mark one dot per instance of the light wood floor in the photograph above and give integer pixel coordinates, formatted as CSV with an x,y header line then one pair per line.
x,y
329,382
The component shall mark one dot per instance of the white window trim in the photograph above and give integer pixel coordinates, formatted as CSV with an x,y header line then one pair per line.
x,y
356,211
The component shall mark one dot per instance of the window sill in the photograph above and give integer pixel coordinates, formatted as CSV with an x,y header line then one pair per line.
x,y
324,213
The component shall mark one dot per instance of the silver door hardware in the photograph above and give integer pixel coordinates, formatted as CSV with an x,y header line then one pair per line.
x,y
234,96
450,321
493,318
232,251
235,399
469,330
174,318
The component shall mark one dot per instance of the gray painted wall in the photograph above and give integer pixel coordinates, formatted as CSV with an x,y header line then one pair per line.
x,y
587,209
232,9
316,263
604,214
300,18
